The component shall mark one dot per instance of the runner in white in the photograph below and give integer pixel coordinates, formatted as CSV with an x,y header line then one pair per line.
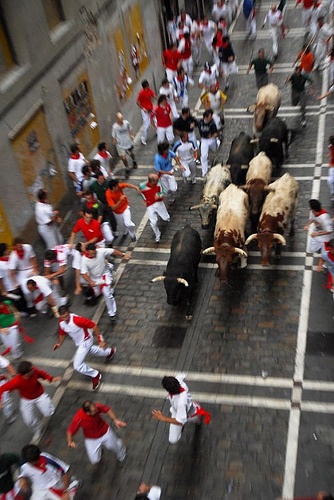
x,y
7,401
81,332
45,476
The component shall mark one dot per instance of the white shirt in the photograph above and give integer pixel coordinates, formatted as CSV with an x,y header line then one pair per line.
x,y
185,150
207,78
274,18
43,213
182,405
154,493
63,252
218,12
43,479
122,134
43,286
187,22
15,263
105,163
169,92
75,166
4,362
79,334
208,31
77,258
97,266
7,281
323,223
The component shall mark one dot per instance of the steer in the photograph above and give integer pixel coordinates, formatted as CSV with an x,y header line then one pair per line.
x,y
279,208
229,237
180,276
241,152
274,136
219,177
268,101
257,180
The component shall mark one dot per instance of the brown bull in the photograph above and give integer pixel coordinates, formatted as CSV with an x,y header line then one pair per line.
x,y
278,210
229,237
268,101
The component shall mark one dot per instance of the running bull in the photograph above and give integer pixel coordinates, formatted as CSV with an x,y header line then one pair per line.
x,y
257,180
274,141
219,177
180,276
229,237
278,210
241,153
268,101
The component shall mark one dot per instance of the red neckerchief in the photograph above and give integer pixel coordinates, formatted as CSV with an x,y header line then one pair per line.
x,y
4,259
75,156
41,464
322,212
88,256
104,154
225,44
90,204
4,309
181,390
329,254
20,253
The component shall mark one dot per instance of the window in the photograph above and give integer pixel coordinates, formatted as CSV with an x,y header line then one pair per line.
x,y
7,60
53,12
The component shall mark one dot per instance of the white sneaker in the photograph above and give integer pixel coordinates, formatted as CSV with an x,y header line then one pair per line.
x,y
157,240
144,143
303,123
193,181
218,143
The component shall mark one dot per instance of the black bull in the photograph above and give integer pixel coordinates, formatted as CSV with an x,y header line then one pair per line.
x,y
274,141
180,276
241,153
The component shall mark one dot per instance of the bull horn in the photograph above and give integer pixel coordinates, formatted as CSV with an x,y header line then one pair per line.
x,y
158,278
273,139
251,238
280,238
251,108
182,281
209,250
253,141
243,167
194,207
214,207
240,252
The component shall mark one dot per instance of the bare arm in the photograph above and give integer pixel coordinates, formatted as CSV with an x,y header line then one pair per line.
x,y
118,423
158,415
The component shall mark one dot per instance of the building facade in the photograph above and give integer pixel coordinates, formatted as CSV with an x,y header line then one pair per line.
x,y
66,68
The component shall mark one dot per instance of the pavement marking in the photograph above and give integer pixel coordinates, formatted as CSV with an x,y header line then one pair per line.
x,y
252,253
295,413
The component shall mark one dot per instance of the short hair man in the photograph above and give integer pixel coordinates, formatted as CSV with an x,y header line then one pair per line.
x,y
153,193
122,136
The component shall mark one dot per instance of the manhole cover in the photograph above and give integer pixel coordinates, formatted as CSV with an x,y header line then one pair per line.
x,y
320,343
169,336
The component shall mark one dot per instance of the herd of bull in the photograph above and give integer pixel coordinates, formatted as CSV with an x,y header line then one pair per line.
x,y
234,192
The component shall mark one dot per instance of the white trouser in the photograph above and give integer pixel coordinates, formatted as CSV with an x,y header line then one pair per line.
x,y
146,116
227,70
206,145
7,402
110,441
28,410
330,180
173,108
192,137
190,171
274,37
175,431
170,74
48,494
11,338
50,235
81,353
320,54
196,49
124,221
188,66
217,120
107,292
184,99
107,232
251,25
158,208
306,16
208,45
169,184
163,132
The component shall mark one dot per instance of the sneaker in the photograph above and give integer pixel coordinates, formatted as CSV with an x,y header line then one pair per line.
x,y
133,238
198,162
144,143
134,164
96,381
115,233
112,319
127,173
112,353
218,143
303,123
157,240
120,463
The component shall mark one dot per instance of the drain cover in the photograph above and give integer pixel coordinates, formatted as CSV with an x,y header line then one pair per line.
x,y
169,336
320,343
